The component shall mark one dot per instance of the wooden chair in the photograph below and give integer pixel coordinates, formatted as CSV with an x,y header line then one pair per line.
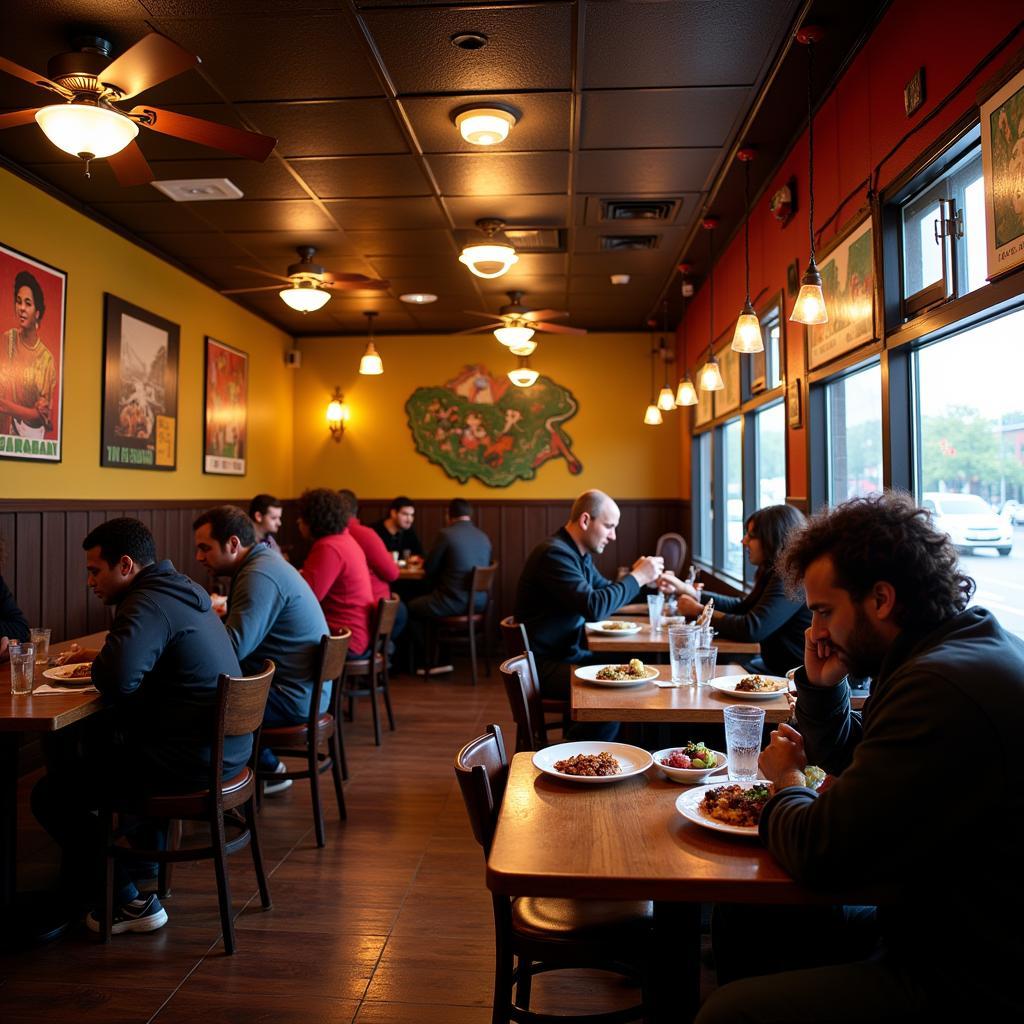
x,y
319,738
516,641
672,547
374,668
519,675
534,935
472,627
240,705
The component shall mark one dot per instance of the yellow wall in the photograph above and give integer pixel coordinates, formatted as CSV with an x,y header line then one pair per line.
x,y
97,261
608,373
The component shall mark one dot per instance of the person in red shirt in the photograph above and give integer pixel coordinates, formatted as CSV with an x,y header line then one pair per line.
x,y
336,568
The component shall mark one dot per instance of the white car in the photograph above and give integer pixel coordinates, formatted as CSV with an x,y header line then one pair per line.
x,y
969,521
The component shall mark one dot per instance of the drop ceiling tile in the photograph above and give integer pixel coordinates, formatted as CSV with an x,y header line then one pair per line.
x,y
355,176
281,245
516,211
651,171
543,121
589,239
269,180
539,264
152,217
189,245
601,303
265,215
527,48
440,322
414,212
403,243
539,291
394,267
350,304
599,284
656,261
661,118
451,295
500,174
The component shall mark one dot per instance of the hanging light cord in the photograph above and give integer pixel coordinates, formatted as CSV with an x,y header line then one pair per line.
x,y
746,224
810,143
711,294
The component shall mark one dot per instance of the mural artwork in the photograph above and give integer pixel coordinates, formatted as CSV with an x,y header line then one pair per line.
x,y
480,425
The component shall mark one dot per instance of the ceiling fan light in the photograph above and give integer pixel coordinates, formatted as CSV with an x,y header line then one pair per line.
x,y
371,365
809,307
485,126
747,337
652,416
513,335
488,259
666,400
86,130
526,348
305,297
523,376
686,394
710,377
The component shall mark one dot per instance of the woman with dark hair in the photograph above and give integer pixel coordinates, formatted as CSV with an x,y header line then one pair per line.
x,y
336,568
28,374
767,615
13,624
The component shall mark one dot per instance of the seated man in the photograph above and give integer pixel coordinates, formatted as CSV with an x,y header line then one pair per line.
x,y
460,547
271,613
929,771
265,512
158,670
560,590
396,530
13,624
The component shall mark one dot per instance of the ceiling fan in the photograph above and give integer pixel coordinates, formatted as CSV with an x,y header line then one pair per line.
x,y
87,123
310,284
515,324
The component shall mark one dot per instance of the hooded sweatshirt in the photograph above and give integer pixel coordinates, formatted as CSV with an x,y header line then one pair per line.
x,y
159,668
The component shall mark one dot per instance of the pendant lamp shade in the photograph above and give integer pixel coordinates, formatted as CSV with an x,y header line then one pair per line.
x,y
652,416
747,336
686,393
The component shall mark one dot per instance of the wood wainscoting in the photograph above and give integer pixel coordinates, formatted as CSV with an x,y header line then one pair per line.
x,y
43,562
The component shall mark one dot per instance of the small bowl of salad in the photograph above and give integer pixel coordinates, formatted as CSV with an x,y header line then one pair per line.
x,y
690,763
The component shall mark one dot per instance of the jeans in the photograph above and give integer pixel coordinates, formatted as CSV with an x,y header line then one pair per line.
x,y
280,710
554,678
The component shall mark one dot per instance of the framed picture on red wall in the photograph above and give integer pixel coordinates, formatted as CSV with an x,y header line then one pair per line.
x,y
226,439
33,301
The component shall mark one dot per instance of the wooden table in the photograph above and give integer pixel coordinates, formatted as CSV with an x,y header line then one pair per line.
x,y
646,642
411,572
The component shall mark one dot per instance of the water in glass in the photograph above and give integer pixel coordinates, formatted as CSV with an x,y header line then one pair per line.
x,y
743,726
23,666
40,638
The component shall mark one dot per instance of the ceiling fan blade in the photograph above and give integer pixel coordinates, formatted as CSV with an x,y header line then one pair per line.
x,y
33,78
251,145
244,291
558,328
546,314
152,60
488,316
265,273
130,166
482,327
27,116
328,277
369,284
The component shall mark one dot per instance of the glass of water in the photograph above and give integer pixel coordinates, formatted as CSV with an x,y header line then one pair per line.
x,y
41,639
680,652
655,606
704,659
23,667
743,728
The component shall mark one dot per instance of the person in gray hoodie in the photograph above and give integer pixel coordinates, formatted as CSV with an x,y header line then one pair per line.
x,y
157,671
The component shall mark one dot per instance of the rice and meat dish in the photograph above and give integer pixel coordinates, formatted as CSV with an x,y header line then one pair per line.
x,y
734,805
758,684
82,671
589,764
634,670
615,624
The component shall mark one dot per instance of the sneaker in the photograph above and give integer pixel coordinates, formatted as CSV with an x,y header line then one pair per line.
x,y
140,915
270,788
436,670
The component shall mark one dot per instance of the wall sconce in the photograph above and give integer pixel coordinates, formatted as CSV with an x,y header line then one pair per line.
x,y
337,415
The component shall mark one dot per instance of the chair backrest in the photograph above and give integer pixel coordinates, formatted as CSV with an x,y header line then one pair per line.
x,y
241,702
330,666
672,547
481,582
513,637
384,622
482,770
519,674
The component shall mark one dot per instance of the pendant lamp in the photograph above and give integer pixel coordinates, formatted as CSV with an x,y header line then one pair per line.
x,y
652,414
710,376
371,365
686,393
747,337
666,397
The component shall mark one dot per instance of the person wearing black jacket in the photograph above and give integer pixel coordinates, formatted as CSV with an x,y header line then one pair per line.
x,y
157,671
927,809
768,615
13,624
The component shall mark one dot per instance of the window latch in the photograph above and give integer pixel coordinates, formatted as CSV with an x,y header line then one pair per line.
x,y
950,221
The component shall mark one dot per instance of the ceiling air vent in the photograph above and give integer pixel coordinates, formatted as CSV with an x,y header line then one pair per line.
x,y
535,239
639,209
628,243
197,190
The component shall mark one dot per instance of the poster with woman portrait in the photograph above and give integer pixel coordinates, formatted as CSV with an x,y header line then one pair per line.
x,y
140,388
1002,162
227,384
33,299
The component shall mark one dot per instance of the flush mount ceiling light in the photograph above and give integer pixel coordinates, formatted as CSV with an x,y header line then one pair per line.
x,y
371,365
305,296
485,126
747,337
489,259
418,298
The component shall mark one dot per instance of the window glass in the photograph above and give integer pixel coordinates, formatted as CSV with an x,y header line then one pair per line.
x,y
970,470
702,496
854,408
732,462
922,255
770,438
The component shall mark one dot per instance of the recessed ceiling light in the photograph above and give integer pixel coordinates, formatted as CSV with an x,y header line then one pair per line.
x,y
418,298
469,40
620,278
485,126
197,190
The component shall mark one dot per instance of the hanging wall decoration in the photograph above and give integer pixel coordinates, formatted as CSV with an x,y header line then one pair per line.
x,y
227,382
31,357
140,388
478,425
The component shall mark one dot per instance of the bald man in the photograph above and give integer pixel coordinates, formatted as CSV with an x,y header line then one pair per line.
x,y
560,590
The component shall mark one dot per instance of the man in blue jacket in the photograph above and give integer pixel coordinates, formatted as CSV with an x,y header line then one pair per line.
x,y
158,671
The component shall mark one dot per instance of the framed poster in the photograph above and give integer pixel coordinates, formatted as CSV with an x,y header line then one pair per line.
x,y
140,388
729,364
1002,162
31,357
848,281
226,405
703,410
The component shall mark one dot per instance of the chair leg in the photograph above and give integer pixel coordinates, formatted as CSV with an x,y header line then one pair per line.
x,y
223,886
107,906
387,698
257,854
339,738
166,869
502,985
524,984
472,651
314,792
337,755
374,686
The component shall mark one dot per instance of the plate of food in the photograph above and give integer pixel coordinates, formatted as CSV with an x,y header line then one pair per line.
x,y
78,674
733,807
690,763
752,687
632,673
592,761
614,627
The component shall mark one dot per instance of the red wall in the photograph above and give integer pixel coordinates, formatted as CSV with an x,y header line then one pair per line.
x,y
854,129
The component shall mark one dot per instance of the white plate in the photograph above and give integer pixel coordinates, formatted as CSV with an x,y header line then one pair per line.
x,y
602,627
588,673
62,674
727,684
689,776
632,760
688,805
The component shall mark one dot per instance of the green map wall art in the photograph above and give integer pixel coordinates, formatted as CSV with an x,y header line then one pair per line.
x,y
480,425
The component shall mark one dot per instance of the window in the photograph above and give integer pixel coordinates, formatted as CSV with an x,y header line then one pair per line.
x,y
702,513
969,464
853,409
763,370
770,454
732,478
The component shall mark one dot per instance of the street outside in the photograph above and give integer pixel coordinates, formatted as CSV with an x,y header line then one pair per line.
x,y
1000,582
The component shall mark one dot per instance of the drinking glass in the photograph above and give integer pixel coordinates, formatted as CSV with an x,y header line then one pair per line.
x,y
23,667
707,636
743,728
704,659
41,639
655,606
680,652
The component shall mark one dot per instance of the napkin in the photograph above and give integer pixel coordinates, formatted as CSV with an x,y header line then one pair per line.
x,y
45,688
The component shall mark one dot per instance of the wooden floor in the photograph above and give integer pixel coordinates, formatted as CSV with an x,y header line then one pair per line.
x,y
389,924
